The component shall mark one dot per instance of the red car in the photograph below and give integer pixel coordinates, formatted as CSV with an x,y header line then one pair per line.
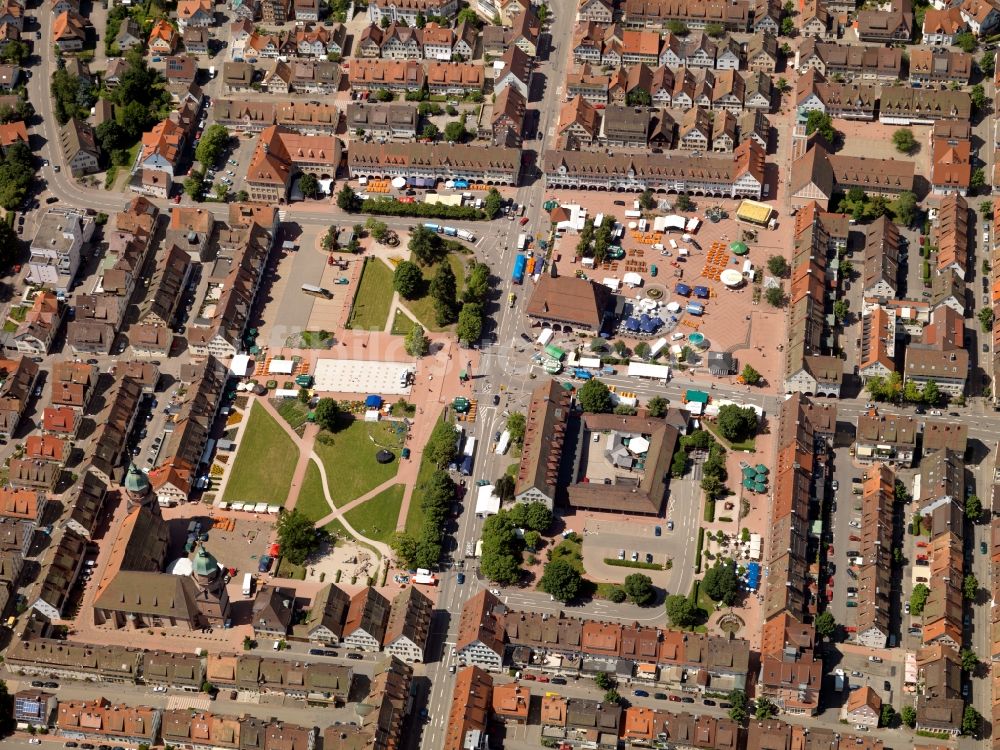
x,y
542,678
530,677
524,221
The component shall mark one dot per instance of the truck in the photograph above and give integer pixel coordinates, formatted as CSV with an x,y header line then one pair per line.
x,y
432,227
519,265
424,579
531,266
304,380
581,374
211,71
466,235
522,242
470,446
449,231
466,466
247,584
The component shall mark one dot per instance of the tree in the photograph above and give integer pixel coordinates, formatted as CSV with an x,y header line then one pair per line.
x,y
612,697
721,583
430,131
405,547
764,709
969,660
775,296
677,28
682,612
825,625
469,16
971,720
638,97
985,317
407,280
782,85
888,716
973,508
425,245
9,248
904,141
978,96
738,706
639,589
900,493
537,516
594,397
470,323
194,184
642,350
822,123
778,266
931,393
646,200
561,580
966,41
503,488
347,199
617,595
970,586
987,63
977,179
840,309
440,447
516,425
416,342
715,30
327,414
492,203
309,186
918,598
787,27
242,196
221,192
443,291
657,406
455,132
908,715
532,539
736,423
683,202
750,375
303,395
297,536
212,144
477,283
603,681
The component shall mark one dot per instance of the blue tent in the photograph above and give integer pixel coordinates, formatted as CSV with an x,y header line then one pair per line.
x,y
373,402
461,184
648,324
753,576
631,324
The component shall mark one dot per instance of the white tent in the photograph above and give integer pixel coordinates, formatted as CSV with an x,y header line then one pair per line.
x,y
645,370
663,223
638,445
673,307
487,504
398,182
280,367
611,283
632,279
240,365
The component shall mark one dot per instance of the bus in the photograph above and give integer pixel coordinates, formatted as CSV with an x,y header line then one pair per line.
x,y
317,291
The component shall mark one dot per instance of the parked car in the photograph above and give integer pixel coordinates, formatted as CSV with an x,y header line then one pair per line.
x,y
558,680
640,694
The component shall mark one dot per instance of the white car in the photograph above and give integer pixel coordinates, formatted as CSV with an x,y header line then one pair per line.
x,y
855,524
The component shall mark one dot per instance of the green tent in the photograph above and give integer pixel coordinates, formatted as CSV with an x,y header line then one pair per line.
x,y
461,404
761,469
568,387
549,205
555,352
761,478
762,488
739,248
749,473
748,484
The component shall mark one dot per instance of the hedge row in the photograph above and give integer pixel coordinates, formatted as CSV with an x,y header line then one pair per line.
x,y
632,564
385,207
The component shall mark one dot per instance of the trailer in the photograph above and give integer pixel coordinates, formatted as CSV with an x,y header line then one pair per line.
x,y
466,235
657,347
470,446
504,443
633,214
519,264
432,227
695,309
701,292
683,290
466,466
545,336
449,231
247,584
522,242
531,266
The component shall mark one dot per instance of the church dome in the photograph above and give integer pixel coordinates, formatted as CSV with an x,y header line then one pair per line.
x,y
205,565
136,482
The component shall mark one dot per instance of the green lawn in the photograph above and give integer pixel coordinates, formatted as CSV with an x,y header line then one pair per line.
x,y
311,500
349,458
423,308
402,324
336,528
747,445
371,304
376,519
265,462
292,411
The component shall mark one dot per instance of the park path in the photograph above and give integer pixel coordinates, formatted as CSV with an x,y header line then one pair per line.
x,y
338,513
303,445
